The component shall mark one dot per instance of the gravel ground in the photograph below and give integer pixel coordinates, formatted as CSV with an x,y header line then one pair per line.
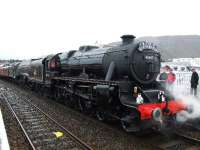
x,y
97,134
39,128
16,138
190,132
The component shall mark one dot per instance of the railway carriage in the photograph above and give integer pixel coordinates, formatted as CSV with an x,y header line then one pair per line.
x,y
9,70
4,70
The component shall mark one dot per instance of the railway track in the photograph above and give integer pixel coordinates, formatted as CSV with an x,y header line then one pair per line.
x,y
173,142
17,139
42,131
97,134
189,132
183,137
154,142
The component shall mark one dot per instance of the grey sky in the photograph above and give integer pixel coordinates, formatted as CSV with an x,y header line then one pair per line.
x,y
31,28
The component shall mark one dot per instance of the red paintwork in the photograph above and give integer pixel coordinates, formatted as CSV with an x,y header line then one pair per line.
x,y
147,109
4,71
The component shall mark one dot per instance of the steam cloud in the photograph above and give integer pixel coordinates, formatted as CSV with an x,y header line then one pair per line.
x,y
183,93
194,104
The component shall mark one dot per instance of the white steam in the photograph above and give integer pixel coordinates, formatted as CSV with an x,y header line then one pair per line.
x,y
193,113
183,93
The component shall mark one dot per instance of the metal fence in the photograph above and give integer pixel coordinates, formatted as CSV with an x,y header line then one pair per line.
x,y
182,83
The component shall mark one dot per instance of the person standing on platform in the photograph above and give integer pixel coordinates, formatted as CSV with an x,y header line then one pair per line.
x,y
171,77
194,82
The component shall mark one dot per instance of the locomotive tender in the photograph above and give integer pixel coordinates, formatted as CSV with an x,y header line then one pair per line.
x,y
112,82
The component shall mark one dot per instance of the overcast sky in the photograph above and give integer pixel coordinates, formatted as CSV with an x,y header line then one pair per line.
x,y
31,28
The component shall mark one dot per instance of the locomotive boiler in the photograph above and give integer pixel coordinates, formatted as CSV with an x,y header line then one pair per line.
x,y
138,61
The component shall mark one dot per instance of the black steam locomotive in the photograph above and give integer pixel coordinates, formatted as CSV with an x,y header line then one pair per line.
x,y
111,82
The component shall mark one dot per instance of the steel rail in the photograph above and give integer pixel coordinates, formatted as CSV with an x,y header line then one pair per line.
x,y
188,137
64,129
74,137
21,126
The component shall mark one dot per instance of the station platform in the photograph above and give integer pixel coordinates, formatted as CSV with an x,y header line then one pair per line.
x,y
3,136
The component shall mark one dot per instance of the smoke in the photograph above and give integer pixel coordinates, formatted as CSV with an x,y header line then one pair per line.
x,y
193,111
193,103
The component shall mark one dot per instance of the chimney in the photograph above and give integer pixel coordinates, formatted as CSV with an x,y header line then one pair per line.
x,y
127,39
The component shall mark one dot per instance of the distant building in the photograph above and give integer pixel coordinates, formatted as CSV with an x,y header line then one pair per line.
x,y
195,62
183,64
